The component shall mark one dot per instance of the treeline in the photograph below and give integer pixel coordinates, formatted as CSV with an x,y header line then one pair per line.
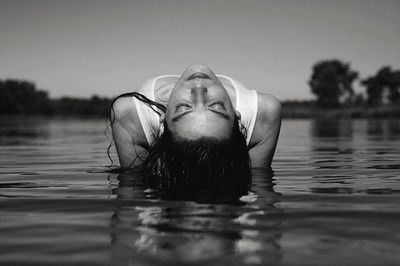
x,y
310,109
22,97
95,106
332,83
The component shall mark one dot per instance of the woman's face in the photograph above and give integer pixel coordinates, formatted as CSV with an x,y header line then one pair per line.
x,y
199,106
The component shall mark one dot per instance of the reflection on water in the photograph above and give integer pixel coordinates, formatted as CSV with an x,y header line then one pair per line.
x,y
335,129
333,200
19,130
351,148
332,144
383,129
191,232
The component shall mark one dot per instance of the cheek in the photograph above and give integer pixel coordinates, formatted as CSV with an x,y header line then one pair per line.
x,y
170,106
168,117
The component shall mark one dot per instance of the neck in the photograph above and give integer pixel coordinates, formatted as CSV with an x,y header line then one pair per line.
x,y
164,86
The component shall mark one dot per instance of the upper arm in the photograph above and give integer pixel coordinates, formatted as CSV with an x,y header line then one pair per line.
x,y
266,131
128,134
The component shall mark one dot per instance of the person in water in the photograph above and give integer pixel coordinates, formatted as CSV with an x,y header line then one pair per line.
x,y
196,126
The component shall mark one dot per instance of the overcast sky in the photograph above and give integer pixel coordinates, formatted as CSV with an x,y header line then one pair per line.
x,y
86,47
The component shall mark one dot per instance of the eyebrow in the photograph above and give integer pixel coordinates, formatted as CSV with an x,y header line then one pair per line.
x,y
223,115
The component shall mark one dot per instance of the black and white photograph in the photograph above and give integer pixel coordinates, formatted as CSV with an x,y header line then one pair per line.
x,y
199,132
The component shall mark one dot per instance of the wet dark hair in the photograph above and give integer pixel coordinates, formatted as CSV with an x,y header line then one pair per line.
x,y
204,169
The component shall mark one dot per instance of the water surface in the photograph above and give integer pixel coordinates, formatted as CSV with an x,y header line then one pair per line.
x,y
334,199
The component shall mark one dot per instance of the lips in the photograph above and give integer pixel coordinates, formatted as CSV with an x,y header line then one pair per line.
x,y
198,75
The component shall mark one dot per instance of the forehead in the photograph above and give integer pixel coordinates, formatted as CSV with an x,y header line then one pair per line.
x,y
208,124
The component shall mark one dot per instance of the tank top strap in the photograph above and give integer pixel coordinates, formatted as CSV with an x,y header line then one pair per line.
x,y
246,104
149,119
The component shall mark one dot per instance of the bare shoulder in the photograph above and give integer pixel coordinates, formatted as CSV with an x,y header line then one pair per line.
x,y
123,109
125,115
269,108
266,131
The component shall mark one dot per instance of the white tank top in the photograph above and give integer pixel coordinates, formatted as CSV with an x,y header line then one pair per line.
x,y
246,104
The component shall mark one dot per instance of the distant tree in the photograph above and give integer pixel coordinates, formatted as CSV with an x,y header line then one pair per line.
x,y
94,106
22,97
394,86
375,85
330,81
384,79
358,99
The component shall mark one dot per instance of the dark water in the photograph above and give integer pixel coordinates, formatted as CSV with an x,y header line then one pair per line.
x,y
334,200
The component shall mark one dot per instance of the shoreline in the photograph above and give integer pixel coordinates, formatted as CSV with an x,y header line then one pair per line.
x,y
349,112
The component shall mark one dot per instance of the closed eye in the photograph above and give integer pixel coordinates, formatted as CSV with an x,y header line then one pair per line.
x,y
217,107
217,104
182,106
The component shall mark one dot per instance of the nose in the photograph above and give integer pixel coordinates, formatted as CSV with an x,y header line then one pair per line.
x,y
199,93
